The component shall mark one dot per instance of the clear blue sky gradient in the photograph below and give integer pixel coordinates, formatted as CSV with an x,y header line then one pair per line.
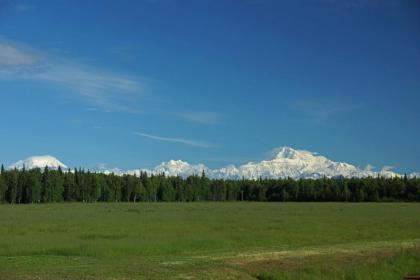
x,y
129,84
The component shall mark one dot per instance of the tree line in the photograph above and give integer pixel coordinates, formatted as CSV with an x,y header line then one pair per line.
x,y
46,186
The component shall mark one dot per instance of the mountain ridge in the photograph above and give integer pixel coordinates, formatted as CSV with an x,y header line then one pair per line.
x,y
285,163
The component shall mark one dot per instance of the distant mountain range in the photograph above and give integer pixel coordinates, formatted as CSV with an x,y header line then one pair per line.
x,y
286,163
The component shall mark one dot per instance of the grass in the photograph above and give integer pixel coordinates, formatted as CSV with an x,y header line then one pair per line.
x,y
375,266
209,240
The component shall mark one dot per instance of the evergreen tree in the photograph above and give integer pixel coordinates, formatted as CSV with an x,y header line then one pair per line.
x,y
165,191
3,188
33,186
11,179
46,186
139,191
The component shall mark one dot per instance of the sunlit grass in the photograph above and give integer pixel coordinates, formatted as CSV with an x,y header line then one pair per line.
x,y
379,267
164,240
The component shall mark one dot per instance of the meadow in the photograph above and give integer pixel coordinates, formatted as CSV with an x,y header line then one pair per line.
x,y
209,240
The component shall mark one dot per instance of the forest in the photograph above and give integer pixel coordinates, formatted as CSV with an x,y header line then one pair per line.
x,y
47,185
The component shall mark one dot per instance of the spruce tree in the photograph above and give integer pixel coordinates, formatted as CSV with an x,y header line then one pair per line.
x,y
3,188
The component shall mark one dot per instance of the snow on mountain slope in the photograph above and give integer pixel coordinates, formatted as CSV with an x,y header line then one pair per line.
x,y
38,162
287,162
181,168
297,164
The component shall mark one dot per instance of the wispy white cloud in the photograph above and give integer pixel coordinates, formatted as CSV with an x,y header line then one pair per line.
x,y
175,140
13,56
203,117
322,111
107,90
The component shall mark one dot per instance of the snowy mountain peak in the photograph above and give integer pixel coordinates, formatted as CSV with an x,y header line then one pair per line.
x,y
287,162
287,153
179,167
38,162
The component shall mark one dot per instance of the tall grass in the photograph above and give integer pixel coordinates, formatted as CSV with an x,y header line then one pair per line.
x,y
162,240
381,268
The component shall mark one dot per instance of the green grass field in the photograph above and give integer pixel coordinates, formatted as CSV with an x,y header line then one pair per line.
x,y
210,241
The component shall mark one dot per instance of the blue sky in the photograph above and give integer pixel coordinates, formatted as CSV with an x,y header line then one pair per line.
x,y
129,84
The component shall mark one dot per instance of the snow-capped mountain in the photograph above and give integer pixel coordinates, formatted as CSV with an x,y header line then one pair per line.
x,y
38,162
179,167
296,164
286,163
